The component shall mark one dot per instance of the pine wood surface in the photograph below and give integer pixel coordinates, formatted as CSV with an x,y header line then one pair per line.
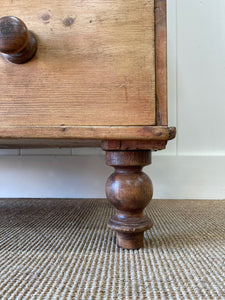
x,y
48,143
95,64
161,62
113,137
134,144
90,132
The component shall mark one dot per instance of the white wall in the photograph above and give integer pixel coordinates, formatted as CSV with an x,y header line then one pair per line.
x,y
193,166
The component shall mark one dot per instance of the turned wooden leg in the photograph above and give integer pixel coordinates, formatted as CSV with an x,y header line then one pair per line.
x,y
129,190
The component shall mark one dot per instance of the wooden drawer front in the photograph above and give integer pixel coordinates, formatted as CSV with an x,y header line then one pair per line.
x,y
94,66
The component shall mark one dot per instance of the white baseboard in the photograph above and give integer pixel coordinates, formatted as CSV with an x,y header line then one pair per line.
x,y
84,176
188,177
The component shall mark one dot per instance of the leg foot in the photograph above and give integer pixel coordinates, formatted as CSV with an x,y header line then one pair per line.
x,y
129,190
130,241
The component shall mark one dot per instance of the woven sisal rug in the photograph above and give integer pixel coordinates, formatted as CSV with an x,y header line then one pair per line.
x,y
62,249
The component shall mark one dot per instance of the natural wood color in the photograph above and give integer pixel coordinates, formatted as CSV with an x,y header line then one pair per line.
x,y
47,143
17,44
161,62
129,190
133,145
90,132
99,75
74,143
95,64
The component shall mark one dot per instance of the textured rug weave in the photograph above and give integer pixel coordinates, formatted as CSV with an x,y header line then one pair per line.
x,y
62,249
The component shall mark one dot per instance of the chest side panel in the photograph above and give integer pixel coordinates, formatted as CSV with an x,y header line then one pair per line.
x,y
95,64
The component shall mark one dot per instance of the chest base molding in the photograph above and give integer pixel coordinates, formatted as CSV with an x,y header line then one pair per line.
x,y
80,136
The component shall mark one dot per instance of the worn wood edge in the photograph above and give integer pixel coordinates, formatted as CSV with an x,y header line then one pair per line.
x,y
123,145
89,132
161,62
48,143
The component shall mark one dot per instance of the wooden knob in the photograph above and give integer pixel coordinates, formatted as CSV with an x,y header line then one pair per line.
x,y
17,43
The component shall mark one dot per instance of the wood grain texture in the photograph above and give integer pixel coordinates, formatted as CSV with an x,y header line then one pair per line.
x,y
161,62
17,44
129,190
134,145
95,64
47,143
13,35
89,132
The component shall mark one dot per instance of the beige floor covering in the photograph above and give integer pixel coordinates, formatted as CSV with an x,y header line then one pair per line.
x,y
62,249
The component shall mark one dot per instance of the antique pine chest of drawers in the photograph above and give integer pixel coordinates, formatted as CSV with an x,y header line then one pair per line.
x,y
89,72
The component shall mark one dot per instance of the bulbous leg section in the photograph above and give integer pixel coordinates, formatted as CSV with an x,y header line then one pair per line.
x,y
129,190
